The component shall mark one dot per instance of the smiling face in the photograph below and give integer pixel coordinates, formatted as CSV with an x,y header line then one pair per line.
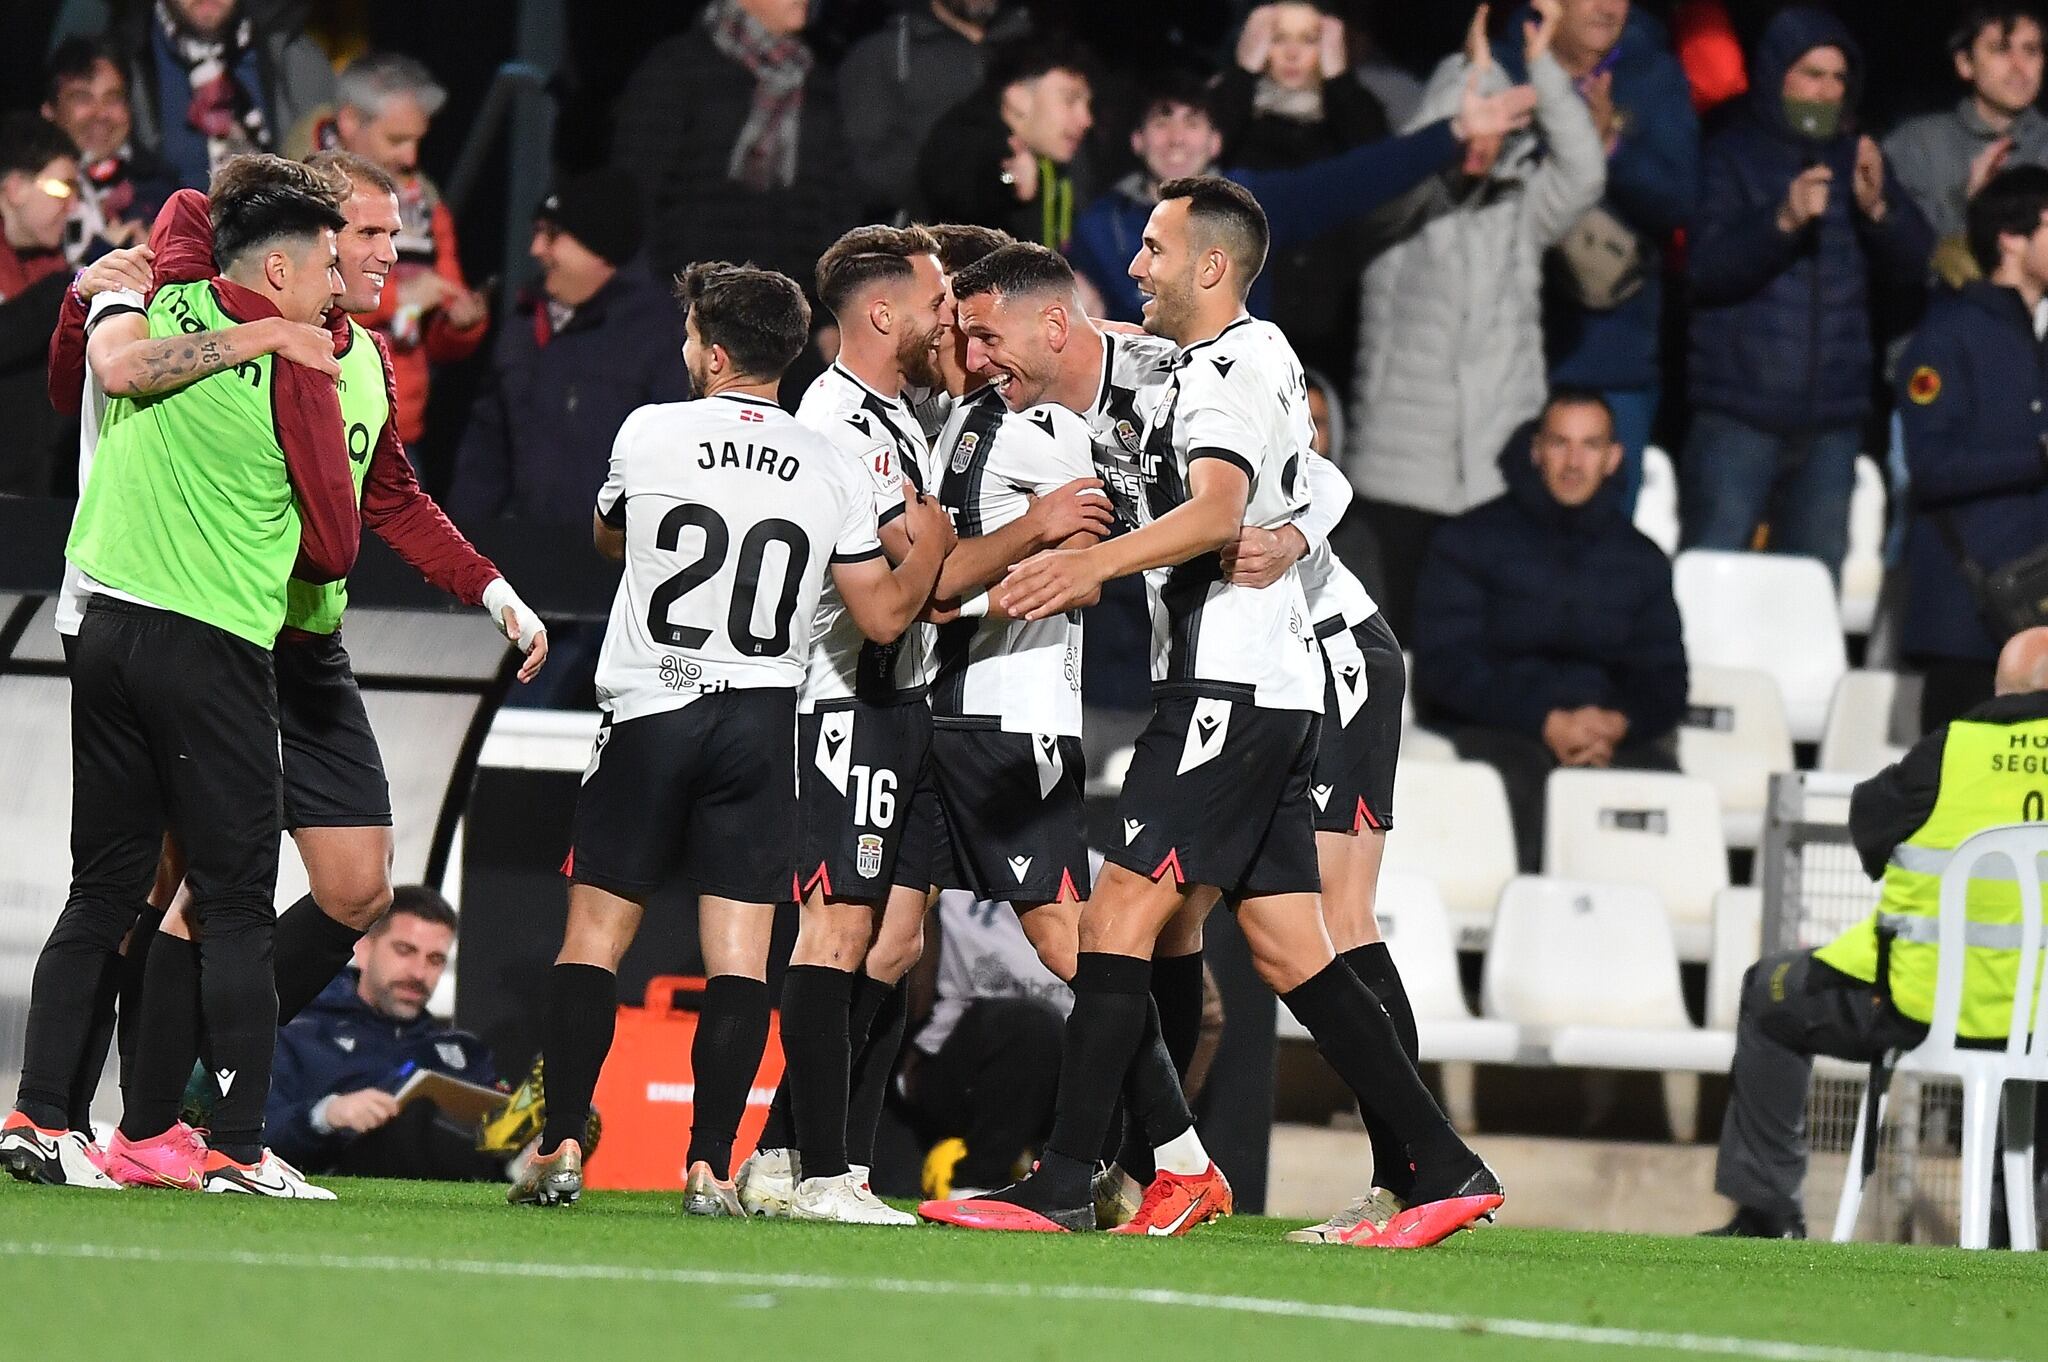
x,y
402,964
1176,141
367,247
1011,343
1164,270
1050,113
93,110
920,311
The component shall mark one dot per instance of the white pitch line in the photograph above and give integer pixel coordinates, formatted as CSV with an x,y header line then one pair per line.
x,y
1769,1350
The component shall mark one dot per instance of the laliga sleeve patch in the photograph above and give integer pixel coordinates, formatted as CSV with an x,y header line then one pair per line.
x,y
1924,386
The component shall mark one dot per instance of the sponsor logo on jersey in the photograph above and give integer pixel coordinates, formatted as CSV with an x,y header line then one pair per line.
x,y
868,855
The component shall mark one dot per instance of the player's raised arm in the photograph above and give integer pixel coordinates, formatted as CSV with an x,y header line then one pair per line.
x,y
884,601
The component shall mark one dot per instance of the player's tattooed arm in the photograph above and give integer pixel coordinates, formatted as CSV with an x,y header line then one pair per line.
x,y
130,363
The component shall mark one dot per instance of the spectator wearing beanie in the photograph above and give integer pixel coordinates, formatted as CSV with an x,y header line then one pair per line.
x,y
593,340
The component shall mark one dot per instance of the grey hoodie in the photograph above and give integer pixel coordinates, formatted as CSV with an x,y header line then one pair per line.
x,y
1930,156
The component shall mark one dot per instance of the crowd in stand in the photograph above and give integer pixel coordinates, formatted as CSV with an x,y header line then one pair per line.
x,y
1694,245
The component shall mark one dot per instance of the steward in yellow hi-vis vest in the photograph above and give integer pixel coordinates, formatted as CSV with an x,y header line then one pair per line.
x,y
1871,989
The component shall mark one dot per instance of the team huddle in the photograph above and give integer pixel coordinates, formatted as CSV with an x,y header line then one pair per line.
x,y
843,667
881,594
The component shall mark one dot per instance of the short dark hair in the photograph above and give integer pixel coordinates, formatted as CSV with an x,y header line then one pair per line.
x,y
362,173
28,142
2011,204
865,255
421,902
759,316
74,59
1022,267
962,243
1028,58
1172,89
1564,395
2002,15
257,199
1229,210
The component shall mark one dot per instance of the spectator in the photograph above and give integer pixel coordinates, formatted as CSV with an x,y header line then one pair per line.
x,y
1176,136
1974,383
984,1064
1796,211
594,341
1603,307
209,80
1450,354
430,316
1003,157
1546,633
1289,101
1858,998
120,188
340,1061
895,83
1942,159
734,139
38,185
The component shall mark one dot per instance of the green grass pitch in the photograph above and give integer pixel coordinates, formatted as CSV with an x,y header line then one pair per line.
x,y
431,1271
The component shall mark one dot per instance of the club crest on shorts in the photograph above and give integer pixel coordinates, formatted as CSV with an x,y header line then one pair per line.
x,y
868,855
963,450
1206,732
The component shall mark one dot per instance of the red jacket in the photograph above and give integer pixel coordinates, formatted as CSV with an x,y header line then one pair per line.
x,y
394,507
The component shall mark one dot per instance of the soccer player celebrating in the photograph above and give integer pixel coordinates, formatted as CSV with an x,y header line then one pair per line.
x,y
201,503
1217,802
730,516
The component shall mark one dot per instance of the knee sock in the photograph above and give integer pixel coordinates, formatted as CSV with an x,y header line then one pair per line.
x,y
311,949
1111,1004
1177,1000
67,975
819,1061
583,1009
732,1031
168,1039
1374,966
779,1131
885,1011
1354,1035
238,1020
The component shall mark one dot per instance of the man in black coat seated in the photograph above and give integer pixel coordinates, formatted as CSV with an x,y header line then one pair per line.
x,y
1546,633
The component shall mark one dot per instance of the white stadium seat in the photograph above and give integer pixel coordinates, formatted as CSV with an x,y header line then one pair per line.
x,y
1425,744
1657,502
1768,611
1734,735
1418,933
1863,566
1738,943
1592,965
1451,827
1863,719
1652,829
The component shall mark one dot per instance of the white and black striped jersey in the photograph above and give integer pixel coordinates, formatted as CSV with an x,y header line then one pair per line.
x,y
1337,600
1017,675
733,515
931,407
1241,397
882,436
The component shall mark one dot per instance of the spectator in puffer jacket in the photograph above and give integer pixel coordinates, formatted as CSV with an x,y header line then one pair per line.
x,y
733,135
1602,317
1798,220
341,1061
1546,632
1450,344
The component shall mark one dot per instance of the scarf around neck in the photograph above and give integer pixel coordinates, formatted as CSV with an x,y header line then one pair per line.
x,y
764,155
222,108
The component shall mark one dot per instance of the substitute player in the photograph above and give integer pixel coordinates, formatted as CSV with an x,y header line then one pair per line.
x,y
730,516
1217,802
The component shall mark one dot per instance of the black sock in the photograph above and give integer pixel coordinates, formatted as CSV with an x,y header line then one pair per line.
x,y
778,1131
1103,1033
583,1008
74,959
732,1031
818,1061
874,1066
238,1019
1177,1000
311,949
1374,966
1355,1036
167,1042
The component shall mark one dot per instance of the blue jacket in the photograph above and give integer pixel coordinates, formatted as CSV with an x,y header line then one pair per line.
x,y
339,1045
540,436
1525,606
1653,183
1973,397
1781,328
1300,204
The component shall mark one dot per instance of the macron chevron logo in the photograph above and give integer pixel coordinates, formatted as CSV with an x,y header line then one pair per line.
x,y
1020,866
226,1079
1132,827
